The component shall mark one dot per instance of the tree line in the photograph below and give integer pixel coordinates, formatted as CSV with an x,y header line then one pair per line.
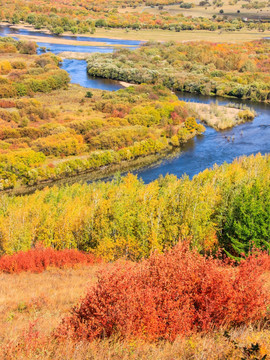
x,y
225,207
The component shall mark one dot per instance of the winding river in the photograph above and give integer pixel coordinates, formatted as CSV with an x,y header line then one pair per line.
x,y
198,154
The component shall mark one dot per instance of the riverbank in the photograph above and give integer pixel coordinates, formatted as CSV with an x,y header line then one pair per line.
x,y
62,41
162,35
104,173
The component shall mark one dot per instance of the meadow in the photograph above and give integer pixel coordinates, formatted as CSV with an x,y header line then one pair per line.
x,y
37,308
240,36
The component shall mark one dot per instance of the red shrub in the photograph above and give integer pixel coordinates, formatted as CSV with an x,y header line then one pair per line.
x,y
6,104
39,259
173,294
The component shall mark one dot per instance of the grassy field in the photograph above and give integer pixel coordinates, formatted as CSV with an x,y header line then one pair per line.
x,y
27,297
229,8
153,35
32,305
164,35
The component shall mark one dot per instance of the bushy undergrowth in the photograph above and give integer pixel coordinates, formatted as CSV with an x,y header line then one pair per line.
x,y
127,125
177,293
127,218
240,71
28,74
39,259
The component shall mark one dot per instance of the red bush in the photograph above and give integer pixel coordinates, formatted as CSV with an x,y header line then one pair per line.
x,y
6,104
39,259
173,294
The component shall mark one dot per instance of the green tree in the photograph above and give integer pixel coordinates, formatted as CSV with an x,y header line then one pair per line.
x,y
247,220
58,30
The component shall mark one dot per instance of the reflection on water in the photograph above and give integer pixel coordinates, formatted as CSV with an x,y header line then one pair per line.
x,y
58,48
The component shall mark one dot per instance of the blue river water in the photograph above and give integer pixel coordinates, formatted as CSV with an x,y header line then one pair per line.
x,y
199,153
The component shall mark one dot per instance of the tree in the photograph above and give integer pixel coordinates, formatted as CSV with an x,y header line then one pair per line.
x,y
247,220
89,94
58,30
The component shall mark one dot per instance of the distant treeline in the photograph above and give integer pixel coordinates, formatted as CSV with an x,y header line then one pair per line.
x,y
85,16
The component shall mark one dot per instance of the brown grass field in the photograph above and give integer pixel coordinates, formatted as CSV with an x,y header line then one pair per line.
x,y
165,35
44,299
230,8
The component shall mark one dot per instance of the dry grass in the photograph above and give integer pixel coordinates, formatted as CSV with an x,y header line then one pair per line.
x,y
46,298
70,102
28,59
205,11
218,117
166,35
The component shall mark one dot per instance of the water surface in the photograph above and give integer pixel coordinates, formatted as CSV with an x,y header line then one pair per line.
x,y
215,147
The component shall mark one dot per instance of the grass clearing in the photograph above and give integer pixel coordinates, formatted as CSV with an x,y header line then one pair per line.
x,y
154,35
165,35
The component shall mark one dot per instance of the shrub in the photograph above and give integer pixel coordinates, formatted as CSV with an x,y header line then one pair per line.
x,y
65,143
7,104
27,47
246,115
5,67
89,94
168,295
19,65
39,259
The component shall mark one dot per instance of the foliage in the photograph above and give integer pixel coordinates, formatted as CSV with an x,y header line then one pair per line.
x,y
129,124
61,144
233,70
39,259
85,16
33,74
176,293
247,224
126,218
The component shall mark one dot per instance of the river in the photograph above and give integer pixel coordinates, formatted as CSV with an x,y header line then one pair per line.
x,y
198,154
